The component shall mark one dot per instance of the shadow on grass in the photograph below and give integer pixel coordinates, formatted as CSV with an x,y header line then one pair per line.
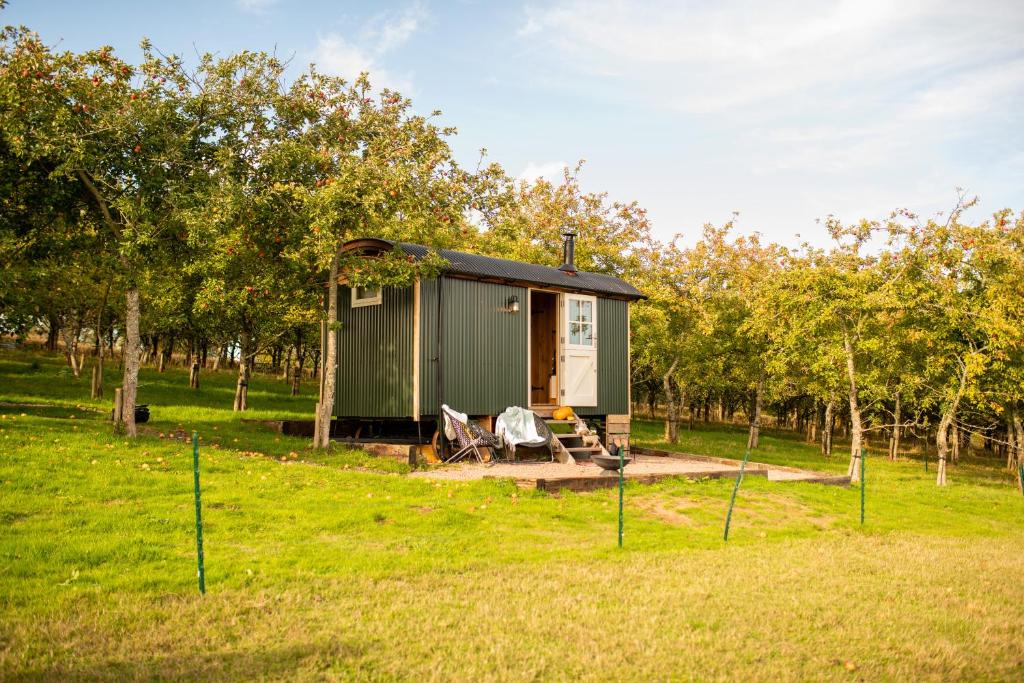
x,y
51,410
310,658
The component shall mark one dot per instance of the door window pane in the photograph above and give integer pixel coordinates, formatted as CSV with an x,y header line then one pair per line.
x,y
587,311
588,335
581,322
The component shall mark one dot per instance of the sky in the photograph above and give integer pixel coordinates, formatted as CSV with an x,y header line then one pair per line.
x,y
784,112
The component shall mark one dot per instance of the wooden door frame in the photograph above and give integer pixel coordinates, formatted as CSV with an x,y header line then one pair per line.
x,y
529,344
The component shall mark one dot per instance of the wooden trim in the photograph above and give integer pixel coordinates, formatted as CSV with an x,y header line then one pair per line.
x,y
629,366
416,351
342,280
529,348
367,244
542,288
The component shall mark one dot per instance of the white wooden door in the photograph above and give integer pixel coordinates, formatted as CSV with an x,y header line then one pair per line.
x,y
579,350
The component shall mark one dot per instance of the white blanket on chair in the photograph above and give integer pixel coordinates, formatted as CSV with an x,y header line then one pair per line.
x,y
516,426
449,431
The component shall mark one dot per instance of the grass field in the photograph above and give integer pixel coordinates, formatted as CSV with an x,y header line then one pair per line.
x,y
339,566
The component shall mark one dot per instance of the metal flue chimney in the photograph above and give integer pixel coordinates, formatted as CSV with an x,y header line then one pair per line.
x,y
569,253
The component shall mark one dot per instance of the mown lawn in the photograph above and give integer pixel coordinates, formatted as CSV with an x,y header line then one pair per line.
x,y
340,566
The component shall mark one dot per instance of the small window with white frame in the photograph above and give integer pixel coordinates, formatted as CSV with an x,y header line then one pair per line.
x,y
366,296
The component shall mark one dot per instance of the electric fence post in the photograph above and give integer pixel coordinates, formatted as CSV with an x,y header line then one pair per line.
x,y
199,512
735,489
862,487
622,466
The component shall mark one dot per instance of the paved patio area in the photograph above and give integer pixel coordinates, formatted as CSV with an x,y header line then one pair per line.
x,y
643,465
644,468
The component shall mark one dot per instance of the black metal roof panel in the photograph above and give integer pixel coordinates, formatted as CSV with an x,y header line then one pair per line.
x,y
487,267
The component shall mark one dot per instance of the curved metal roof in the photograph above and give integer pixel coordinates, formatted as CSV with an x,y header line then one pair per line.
x,y
480,267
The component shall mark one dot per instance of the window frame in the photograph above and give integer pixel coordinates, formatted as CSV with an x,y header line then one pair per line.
x,y
358,302
592,323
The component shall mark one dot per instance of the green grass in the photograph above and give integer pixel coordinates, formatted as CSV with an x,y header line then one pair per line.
x,y
340,566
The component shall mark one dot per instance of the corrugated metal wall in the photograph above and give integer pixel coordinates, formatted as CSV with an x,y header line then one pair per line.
x,y
612,359
428,347
375,356
483,347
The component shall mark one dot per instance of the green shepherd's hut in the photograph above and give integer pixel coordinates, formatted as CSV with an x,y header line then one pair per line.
x,y
486,334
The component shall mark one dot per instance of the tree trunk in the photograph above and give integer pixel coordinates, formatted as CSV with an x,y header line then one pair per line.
x,y
897,430
52,332
96,388
828,427
856,427
71,349
193,376
1018,427
671,405
754,433
242,387
287,365
168,351
811,423
954,435
96,391
330,367
300,358
130,384
942,436
942,445
1014,440
296,378
150,348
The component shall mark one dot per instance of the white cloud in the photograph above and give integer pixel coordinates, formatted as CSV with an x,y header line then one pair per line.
x,y
369,47
794,109
720,55
551,170
255,6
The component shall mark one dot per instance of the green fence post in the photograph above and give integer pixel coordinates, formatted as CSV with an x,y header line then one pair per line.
x,y
199,512
925,450
621,467
1020,473
735,489
862,487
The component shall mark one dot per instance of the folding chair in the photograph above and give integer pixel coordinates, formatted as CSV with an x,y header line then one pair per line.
x,y
469,437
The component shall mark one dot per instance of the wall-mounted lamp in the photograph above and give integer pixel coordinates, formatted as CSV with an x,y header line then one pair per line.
x,y
512,305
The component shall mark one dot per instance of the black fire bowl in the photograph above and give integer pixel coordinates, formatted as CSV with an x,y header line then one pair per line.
x,y
608,462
